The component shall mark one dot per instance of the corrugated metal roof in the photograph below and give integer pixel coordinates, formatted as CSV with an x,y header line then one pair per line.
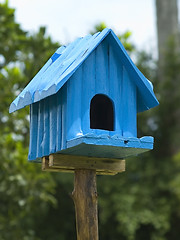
x,y
65,61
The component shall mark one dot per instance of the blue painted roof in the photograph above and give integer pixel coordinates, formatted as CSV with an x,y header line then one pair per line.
x,y
65,61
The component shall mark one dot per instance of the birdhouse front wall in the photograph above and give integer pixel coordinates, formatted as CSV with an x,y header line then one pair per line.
x,y
102,73
66,115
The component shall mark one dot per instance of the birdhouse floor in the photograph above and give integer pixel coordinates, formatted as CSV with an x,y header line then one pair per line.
x,y
105,146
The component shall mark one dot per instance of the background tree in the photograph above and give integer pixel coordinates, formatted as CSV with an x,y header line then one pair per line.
x,y
169,74
25,191
167,27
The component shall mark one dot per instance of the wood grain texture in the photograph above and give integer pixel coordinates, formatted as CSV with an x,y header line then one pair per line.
x,y
129,106
85,200
69,163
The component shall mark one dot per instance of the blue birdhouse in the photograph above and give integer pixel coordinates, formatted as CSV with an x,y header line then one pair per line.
x,y
84,102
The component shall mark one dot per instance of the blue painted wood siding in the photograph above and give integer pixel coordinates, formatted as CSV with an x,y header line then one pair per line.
x,y
48,125
66,114
101,73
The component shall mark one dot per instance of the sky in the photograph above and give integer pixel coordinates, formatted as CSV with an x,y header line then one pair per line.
x,y
68,19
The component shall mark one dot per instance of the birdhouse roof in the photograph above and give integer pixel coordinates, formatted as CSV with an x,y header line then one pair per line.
x,y
66,60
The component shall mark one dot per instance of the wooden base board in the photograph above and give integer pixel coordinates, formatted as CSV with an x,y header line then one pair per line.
x,y
68,163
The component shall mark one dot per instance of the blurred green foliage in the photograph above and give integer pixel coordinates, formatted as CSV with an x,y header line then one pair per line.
x,y
141,203
124,38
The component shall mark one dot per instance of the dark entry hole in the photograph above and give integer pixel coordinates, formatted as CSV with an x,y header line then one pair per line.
x,y
126,141
101,113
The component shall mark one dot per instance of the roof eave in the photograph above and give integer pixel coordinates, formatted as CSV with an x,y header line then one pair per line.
x,y
143,85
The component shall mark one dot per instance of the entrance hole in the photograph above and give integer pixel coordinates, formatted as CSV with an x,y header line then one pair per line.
x,y
101,113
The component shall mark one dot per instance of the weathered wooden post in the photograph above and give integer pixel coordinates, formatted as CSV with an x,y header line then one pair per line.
x,y
85,200
83,107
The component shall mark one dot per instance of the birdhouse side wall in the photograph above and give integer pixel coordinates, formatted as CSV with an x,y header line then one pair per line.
x,y
48,125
